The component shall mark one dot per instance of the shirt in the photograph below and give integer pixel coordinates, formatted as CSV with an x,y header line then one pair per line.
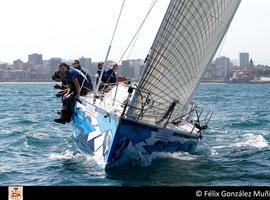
x,y
74,73
110,76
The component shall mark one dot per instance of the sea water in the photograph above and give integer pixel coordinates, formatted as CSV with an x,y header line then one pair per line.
x,y
34,150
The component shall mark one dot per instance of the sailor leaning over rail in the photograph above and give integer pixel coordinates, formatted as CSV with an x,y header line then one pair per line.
x,y
77,80
63,87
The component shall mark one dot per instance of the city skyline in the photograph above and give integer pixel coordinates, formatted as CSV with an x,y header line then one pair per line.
x,y
30,57
221,69
69,29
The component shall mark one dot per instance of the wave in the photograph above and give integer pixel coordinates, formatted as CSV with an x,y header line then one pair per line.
x,y
248,123
252,140
67,155
214,151
37,141
70,155
247,142
78,163
146,160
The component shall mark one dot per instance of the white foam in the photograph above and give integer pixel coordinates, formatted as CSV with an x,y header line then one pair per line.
x,y
178,156
147,160
252,140
90,161
67,155
214,150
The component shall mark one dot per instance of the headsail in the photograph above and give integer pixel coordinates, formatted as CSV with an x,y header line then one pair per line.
x,y
186,43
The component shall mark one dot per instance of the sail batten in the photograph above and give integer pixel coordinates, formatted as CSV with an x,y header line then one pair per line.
x,y
188,38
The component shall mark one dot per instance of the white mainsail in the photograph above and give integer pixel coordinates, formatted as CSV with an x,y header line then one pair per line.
x,y
186,43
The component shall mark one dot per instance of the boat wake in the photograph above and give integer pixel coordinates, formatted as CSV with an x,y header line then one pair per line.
x,y
176,155
86,162
148,160
67,155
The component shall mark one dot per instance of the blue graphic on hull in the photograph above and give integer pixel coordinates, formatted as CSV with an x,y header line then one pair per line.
x,y
119,135
170,147
84,130
82,124
129,131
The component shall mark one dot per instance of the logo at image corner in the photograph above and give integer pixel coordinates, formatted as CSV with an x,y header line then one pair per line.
x,y
15,193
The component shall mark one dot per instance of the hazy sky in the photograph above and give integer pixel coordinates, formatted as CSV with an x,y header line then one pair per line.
x,y
73,28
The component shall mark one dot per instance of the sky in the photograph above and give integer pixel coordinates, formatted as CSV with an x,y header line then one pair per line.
x,y
73,28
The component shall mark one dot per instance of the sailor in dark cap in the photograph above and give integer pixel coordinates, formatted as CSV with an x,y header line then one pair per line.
x,y
75,79
63,87
76,64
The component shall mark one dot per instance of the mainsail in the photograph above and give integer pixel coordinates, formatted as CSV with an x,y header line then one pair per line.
x,y
185,44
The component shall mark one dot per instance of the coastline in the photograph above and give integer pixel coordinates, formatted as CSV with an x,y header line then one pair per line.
x,y
235,82
202,82
27,82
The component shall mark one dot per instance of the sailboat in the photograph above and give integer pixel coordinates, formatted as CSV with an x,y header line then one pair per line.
x,y
154,115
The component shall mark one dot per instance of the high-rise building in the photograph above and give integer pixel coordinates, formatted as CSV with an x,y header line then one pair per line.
x,y
35,59
17,62
54,62
131,68
85,62
223,64
244,59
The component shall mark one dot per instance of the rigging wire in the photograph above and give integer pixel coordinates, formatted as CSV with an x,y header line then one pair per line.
x,y
109,49
131,49
133,40
121,10
138,30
